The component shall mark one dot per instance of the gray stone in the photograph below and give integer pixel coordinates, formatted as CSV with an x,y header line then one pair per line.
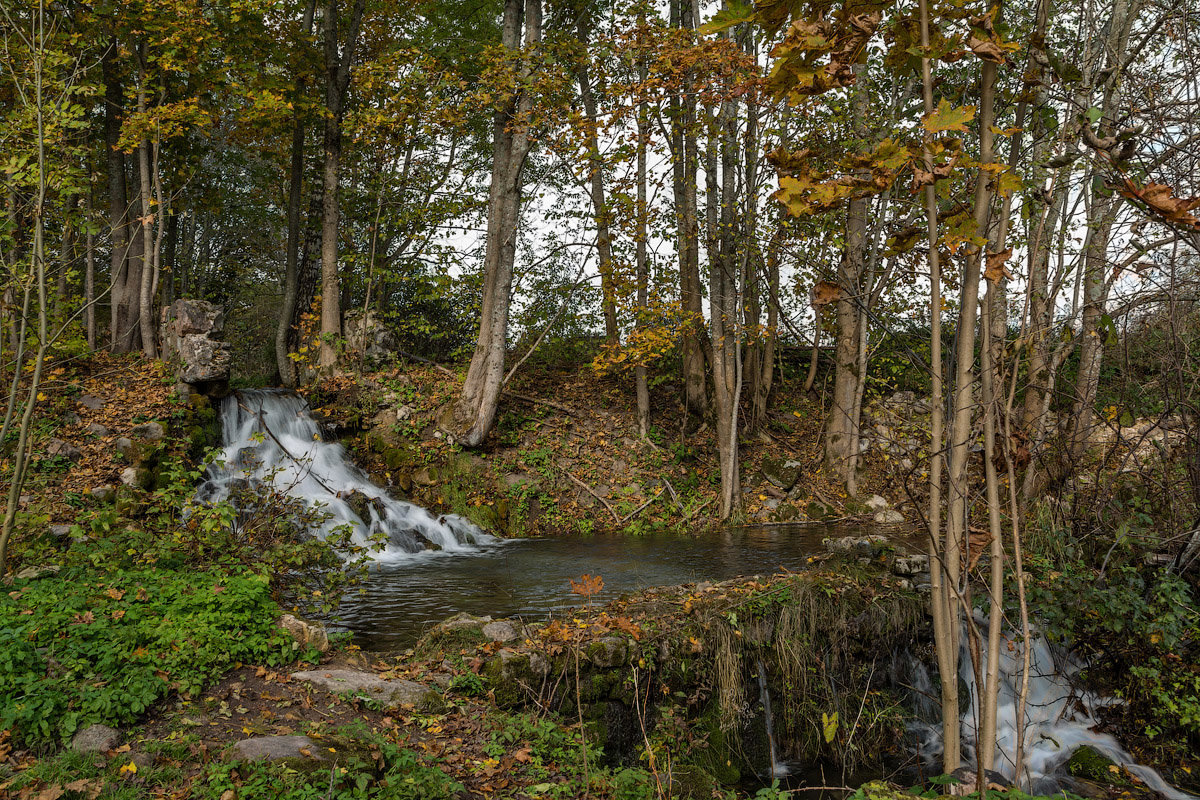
x,y
124,445
91,402
96,429
33,573
856,543
96,739
910,565
502,630
515,663
388,693
275,748
889,517
191,333
459,622
105,494
368,337
60,531
405,412
608,652
71,418
305,633
778,473
57,448
878,503
151,431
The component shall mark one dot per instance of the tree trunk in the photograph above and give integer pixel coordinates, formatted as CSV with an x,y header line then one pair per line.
x,y
337,69
841,432
121,316
472,415
725,302
683,165
145,290
291,270
608,290
641,253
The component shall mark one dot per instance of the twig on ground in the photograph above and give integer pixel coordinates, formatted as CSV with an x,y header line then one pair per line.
x,y
604,502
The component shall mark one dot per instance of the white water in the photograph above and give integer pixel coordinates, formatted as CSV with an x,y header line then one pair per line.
x,y
270,438
1059,719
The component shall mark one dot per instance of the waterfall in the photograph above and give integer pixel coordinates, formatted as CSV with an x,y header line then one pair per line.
x,y
778,768
271,439
1059,719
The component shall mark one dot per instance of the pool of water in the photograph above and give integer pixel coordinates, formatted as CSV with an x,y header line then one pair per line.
x,y
529,577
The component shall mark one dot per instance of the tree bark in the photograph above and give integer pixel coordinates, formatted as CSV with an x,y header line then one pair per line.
x,y
291,269
471,417
684,154
121,315
641,254
337,70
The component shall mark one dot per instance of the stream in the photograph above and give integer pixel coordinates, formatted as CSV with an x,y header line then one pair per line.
x,y
432,567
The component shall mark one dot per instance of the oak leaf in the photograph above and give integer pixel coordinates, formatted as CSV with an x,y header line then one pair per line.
x,y
996,271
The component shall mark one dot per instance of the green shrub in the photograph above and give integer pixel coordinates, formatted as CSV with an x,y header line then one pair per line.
x,y
378,770
77,649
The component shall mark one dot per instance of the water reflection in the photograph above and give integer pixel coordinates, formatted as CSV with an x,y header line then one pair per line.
x,y
528,577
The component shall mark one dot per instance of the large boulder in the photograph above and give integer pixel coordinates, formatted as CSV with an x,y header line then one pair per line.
x,y
368,338
191,334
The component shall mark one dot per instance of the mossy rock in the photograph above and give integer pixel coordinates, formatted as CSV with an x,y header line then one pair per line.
x,y
691,782
1091,764
513,676
717,758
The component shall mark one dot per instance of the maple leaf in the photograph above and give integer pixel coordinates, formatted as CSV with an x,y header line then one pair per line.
x,y
1161,200
825,292
996,271
587,585
948,118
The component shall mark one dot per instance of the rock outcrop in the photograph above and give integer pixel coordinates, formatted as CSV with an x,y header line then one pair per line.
x,y
191,335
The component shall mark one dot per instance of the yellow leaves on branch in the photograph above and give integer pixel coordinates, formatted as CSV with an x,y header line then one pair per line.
x,y
804,189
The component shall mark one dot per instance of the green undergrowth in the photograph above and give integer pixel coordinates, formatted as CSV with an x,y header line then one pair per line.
x,y
81,648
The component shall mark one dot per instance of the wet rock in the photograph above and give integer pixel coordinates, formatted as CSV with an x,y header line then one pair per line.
x,y
96,739
305,633
90,402
275,748
889,517
502,630
858,544
909,566
151,431
57,448
388,693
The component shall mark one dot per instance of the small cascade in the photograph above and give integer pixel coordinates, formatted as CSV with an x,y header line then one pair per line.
x,y
1059,719
778,768
271,439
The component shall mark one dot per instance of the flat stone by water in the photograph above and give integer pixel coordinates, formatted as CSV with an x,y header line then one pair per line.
x,y
274,748
389,693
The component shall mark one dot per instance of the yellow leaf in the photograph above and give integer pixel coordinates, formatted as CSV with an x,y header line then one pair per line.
x,y
829,726
41,396
130,768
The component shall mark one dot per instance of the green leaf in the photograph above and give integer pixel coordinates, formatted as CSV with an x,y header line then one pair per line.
x,y
734,13
829,726
949,118
1093,115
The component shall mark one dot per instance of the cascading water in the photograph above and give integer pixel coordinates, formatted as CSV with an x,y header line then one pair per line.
x,y
1059,719
270,438
778,768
